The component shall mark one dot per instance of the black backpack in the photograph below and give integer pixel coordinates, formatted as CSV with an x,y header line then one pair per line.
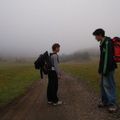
x,y
43,63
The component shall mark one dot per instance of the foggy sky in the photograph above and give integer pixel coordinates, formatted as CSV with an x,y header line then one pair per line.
x,y
29,27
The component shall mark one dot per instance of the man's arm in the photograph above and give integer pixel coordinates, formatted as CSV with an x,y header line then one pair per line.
x,y
106,58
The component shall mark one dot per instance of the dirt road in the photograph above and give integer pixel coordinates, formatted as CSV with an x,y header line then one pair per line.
x,y
79,104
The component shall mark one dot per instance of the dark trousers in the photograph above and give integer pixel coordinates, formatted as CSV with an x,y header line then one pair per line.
x,y
52,87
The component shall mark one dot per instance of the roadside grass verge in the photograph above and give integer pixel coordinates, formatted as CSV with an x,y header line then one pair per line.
x,y
15,79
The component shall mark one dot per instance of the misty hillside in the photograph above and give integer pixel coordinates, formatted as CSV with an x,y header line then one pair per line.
x,y
80,56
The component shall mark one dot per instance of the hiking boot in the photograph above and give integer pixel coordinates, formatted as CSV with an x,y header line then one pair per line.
x,y
58,103
50,103
112,109
101,105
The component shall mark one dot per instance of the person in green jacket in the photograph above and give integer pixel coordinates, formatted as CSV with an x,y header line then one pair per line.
x,y
107,66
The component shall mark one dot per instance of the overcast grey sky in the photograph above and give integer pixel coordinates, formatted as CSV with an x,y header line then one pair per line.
x,y
32,26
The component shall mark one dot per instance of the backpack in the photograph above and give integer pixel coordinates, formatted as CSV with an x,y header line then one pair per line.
x,y
43,63
116,44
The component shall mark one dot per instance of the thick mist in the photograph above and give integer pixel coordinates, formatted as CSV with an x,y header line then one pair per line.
x,y
29,27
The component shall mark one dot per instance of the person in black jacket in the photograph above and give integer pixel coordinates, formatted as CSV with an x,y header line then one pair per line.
x,y
107,66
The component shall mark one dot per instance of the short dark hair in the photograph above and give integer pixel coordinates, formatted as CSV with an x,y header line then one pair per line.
x,y
99,32
54,46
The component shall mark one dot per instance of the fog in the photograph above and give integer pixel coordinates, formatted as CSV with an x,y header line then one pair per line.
x,y
30,27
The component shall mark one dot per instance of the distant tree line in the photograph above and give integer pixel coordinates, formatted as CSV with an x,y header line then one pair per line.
x,y
80,56
15,59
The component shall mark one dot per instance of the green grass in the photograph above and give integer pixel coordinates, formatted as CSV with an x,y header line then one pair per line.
x,y
15,79
88,72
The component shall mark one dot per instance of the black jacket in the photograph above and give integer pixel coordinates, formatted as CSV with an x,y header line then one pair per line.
x,y
107,62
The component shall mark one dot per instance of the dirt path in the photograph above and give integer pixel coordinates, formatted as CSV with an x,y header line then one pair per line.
x,y
79,104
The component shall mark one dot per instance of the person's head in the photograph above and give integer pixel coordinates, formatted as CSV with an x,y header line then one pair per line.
x,y
56,47
99,34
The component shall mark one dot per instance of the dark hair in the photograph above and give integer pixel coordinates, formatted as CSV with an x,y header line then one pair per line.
x,y
99,32
56,45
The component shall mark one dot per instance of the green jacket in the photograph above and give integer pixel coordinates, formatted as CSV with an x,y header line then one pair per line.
x,y
107,62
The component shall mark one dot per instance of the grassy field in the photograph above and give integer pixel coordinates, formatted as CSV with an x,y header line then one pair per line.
x,y
88,73
15,78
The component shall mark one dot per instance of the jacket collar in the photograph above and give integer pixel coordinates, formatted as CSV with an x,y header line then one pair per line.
x,y
102,42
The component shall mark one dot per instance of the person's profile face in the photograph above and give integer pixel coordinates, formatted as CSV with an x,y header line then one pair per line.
x,y
58,49
98,38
